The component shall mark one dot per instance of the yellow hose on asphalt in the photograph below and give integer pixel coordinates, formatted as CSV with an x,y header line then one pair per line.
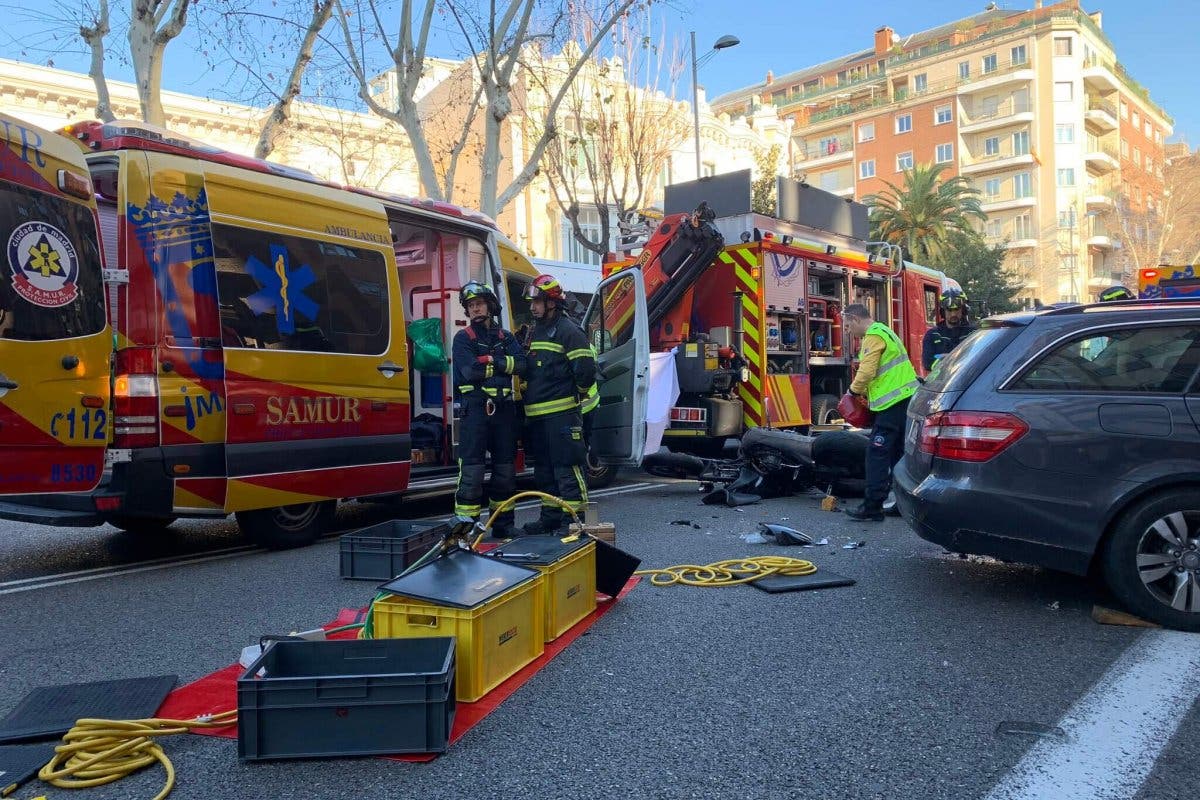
x,y
100,751
731,572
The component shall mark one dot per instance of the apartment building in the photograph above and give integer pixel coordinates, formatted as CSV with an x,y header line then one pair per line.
x,y
1030,106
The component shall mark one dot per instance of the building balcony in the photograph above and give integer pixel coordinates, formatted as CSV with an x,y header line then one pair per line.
x,y
820,154
1099,200
1008,113
1098,75
845,191
995,163
1101,157
1021,244
1101,241
1004,202
1101,115
1003,75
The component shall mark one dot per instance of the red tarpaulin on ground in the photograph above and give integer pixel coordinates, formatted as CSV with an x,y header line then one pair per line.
x,y
217,692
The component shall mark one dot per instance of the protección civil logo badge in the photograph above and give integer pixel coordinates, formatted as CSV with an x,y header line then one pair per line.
x,y
44,265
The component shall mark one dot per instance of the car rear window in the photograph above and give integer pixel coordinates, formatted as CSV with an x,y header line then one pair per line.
x,y
956,371
51,283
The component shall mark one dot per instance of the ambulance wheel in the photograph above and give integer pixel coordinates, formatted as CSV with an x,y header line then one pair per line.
x,y
824,409
140,526
598,475
285,527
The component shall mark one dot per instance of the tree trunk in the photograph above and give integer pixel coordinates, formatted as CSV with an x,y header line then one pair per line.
x,y
280,114
94,38
141,53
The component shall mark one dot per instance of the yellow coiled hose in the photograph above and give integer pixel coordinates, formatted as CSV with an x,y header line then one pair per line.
x,y
730,572
100,751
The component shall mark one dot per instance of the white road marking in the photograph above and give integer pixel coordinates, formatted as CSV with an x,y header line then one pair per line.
x,y
96,573
1117,731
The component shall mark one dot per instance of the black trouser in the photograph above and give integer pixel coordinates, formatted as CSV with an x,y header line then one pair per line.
x,y
884,450
555,443
478,435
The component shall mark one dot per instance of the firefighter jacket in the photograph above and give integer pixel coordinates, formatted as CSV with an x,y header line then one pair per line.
x,y
485,361
561,367
940,340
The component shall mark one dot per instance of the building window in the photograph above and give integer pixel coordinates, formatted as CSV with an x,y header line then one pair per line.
x,y
1021,143
589,223
964,70
1124,110
1019,55
1064,134
991,146
708,169
920,83
1066,219
1023,185
1062,45
1125,148
943,114
1149,129
829,181
1064,91
989,64
866,169
945,153
1023,227
828,145
1136,120
1137,156
1150,165
904,123
1066,177
866,131
1157,136
904,161
991,187
995,229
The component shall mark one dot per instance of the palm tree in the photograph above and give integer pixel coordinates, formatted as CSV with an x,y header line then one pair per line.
x,y
921,215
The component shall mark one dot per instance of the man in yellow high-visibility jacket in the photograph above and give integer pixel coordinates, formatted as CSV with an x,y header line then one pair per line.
x,y
886,378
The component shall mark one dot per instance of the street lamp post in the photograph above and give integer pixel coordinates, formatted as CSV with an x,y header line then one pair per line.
x,y
724,42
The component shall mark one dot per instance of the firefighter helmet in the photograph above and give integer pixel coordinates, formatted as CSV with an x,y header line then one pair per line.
x,y
474,290
1117,292
952,298
545,287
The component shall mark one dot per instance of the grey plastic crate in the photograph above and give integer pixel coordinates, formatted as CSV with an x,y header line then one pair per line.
x,y
352,697
381,552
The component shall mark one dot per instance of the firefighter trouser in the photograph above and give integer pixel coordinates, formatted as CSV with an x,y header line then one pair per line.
x,y
555,442
481,433
885,449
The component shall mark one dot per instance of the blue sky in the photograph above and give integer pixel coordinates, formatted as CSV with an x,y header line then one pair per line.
x,y
1155,39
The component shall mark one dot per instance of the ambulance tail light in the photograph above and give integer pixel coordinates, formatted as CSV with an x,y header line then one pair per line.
x,y
135,399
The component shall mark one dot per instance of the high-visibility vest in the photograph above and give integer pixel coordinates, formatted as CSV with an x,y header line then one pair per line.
x,y
896,379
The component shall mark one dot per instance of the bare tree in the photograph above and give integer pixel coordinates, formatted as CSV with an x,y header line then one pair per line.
x,y
93,36
619,125
494,38
1167,228
152,26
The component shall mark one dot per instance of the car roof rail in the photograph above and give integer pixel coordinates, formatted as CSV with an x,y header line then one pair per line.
x,y
1133,304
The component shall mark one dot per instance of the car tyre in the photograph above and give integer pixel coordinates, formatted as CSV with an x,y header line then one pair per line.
x,y
1151,559
825,410
285,527
597,474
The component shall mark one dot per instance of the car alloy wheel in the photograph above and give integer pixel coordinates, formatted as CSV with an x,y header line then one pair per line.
x,y
1168,560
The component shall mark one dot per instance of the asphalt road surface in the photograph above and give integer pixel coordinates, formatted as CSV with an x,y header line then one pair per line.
x,y
903,685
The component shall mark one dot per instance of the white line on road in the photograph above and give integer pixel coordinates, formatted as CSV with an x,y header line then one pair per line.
x,y
1117,731
96,573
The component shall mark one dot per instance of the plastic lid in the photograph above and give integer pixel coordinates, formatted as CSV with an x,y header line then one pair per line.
x,y
460,579
540,550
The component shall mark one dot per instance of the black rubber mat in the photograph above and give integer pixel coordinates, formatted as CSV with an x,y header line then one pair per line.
x,y
52,710
799,583
20,762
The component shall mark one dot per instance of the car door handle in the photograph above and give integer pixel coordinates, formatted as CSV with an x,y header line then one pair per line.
x,y
389,367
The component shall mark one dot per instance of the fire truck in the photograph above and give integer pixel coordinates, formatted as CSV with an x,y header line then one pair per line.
x,y
752,305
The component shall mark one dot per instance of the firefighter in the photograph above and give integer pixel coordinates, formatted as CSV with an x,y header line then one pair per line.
x,y
887,379
486,357
1114,293
561,369
953,326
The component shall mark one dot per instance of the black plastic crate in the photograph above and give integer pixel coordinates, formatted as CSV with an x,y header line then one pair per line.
x,y
383,551
348,697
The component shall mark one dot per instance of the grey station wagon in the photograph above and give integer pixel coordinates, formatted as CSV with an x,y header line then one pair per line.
x,y
1069,439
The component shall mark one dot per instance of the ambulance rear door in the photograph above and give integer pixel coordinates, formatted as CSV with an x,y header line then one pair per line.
x,y
55,342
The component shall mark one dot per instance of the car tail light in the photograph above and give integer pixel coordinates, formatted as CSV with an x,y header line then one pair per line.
x,y
970,435
135,399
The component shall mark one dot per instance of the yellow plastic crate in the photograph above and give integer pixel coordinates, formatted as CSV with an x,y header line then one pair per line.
x,y
494,640
568,590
